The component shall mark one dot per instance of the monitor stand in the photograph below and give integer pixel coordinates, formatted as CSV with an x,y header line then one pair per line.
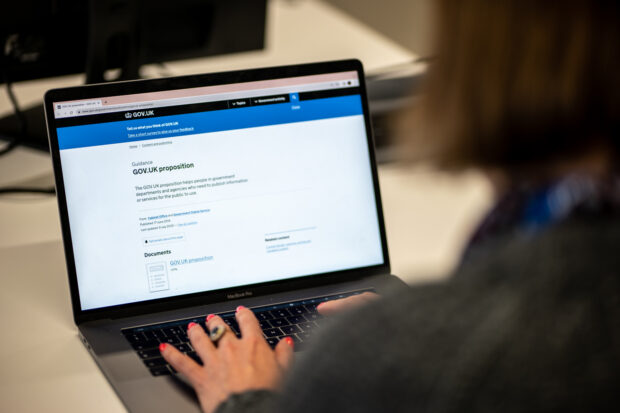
x,y
36,131
111,21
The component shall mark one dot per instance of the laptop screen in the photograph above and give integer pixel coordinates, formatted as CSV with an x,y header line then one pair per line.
x,y
199,189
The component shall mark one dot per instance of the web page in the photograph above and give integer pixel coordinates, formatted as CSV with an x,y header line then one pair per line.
x,y
185,199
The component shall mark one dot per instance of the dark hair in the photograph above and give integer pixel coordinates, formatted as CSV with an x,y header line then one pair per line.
x,y
517,83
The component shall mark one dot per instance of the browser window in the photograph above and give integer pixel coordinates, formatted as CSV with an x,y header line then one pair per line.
x,y
192,190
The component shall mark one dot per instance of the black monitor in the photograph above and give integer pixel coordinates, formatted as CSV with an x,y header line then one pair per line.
x,y
47,38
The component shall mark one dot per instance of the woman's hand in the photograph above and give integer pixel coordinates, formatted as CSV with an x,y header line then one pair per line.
x,y
235,365
346,304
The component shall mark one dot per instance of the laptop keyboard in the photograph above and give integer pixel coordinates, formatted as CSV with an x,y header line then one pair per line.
x,y
297,320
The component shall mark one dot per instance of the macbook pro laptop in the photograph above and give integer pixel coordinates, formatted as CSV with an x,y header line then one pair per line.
x,y
185,196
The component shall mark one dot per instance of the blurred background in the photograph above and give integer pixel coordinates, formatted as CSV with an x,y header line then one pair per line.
x,y
407,22
56,43
46,44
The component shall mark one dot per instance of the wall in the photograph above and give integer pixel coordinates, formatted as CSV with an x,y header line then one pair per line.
x,y
408,22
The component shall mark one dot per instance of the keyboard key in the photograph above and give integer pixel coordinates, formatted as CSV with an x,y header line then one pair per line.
x,y
311,307
184,347
183,335
263,315
146,345
279,322
313,316
290,329
154,362
264,325
283,312
296,319
272,332
155,335
307,326
160,371
298,310
136,338
171,340
272,341
232,323
171,331
147,354
229,319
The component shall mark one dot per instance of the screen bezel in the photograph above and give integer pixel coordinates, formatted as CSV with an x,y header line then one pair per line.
x,y
212,79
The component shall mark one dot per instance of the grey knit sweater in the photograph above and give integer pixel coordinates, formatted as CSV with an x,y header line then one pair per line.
x,y
531,324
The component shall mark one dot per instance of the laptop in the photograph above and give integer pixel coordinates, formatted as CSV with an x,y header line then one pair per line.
x,y
185,196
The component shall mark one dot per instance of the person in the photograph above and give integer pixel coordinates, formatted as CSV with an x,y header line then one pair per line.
x,y
528,92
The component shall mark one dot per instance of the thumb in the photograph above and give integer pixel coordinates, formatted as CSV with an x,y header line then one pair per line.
x,y
284,353
345,304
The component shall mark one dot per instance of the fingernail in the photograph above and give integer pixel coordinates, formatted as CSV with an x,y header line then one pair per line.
x,y
289,341
210,316
162,346
319,306
190,325
240,308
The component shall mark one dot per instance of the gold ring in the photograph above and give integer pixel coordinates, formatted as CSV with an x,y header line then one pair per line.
x,y
217,333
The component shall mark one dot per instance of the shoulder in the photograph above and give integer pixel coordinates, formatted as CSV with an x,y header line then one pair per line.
x,y
531,313
578,254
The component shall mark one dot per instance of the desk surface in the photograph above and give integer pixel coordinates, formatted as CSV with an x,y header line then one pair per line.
x,y
428,216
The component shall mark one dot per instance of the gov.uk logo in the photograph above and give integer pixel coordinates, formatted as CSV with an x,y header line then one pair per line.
x,y
128,115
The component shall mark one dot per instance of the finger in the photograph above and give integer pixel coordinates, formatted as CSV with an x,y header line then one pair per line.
x,y
216,320
181,363
345,304
201,342
248,323
284,352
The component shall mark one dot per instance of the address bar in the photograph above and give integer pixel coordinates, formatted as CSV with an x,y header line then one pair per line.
x,y
116,108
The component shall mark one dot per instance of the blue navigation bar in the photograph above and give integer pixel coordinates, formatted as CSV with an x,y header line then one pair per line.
x,y
204,122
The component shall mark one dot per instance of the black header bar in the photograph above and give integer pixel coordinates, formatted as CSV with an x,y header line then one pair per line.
x,y
199,107
328,93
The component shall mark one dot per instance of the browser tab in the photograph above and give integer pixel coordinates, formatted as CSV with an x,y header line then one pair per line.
x,y
64,109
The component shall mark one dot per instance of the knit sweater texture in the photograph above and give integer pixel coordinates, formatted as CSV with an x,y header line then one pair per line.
x,y
531,324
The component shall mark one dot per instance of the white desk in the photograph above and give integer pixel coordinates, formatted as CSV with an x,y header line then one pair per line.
x,y
428,216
